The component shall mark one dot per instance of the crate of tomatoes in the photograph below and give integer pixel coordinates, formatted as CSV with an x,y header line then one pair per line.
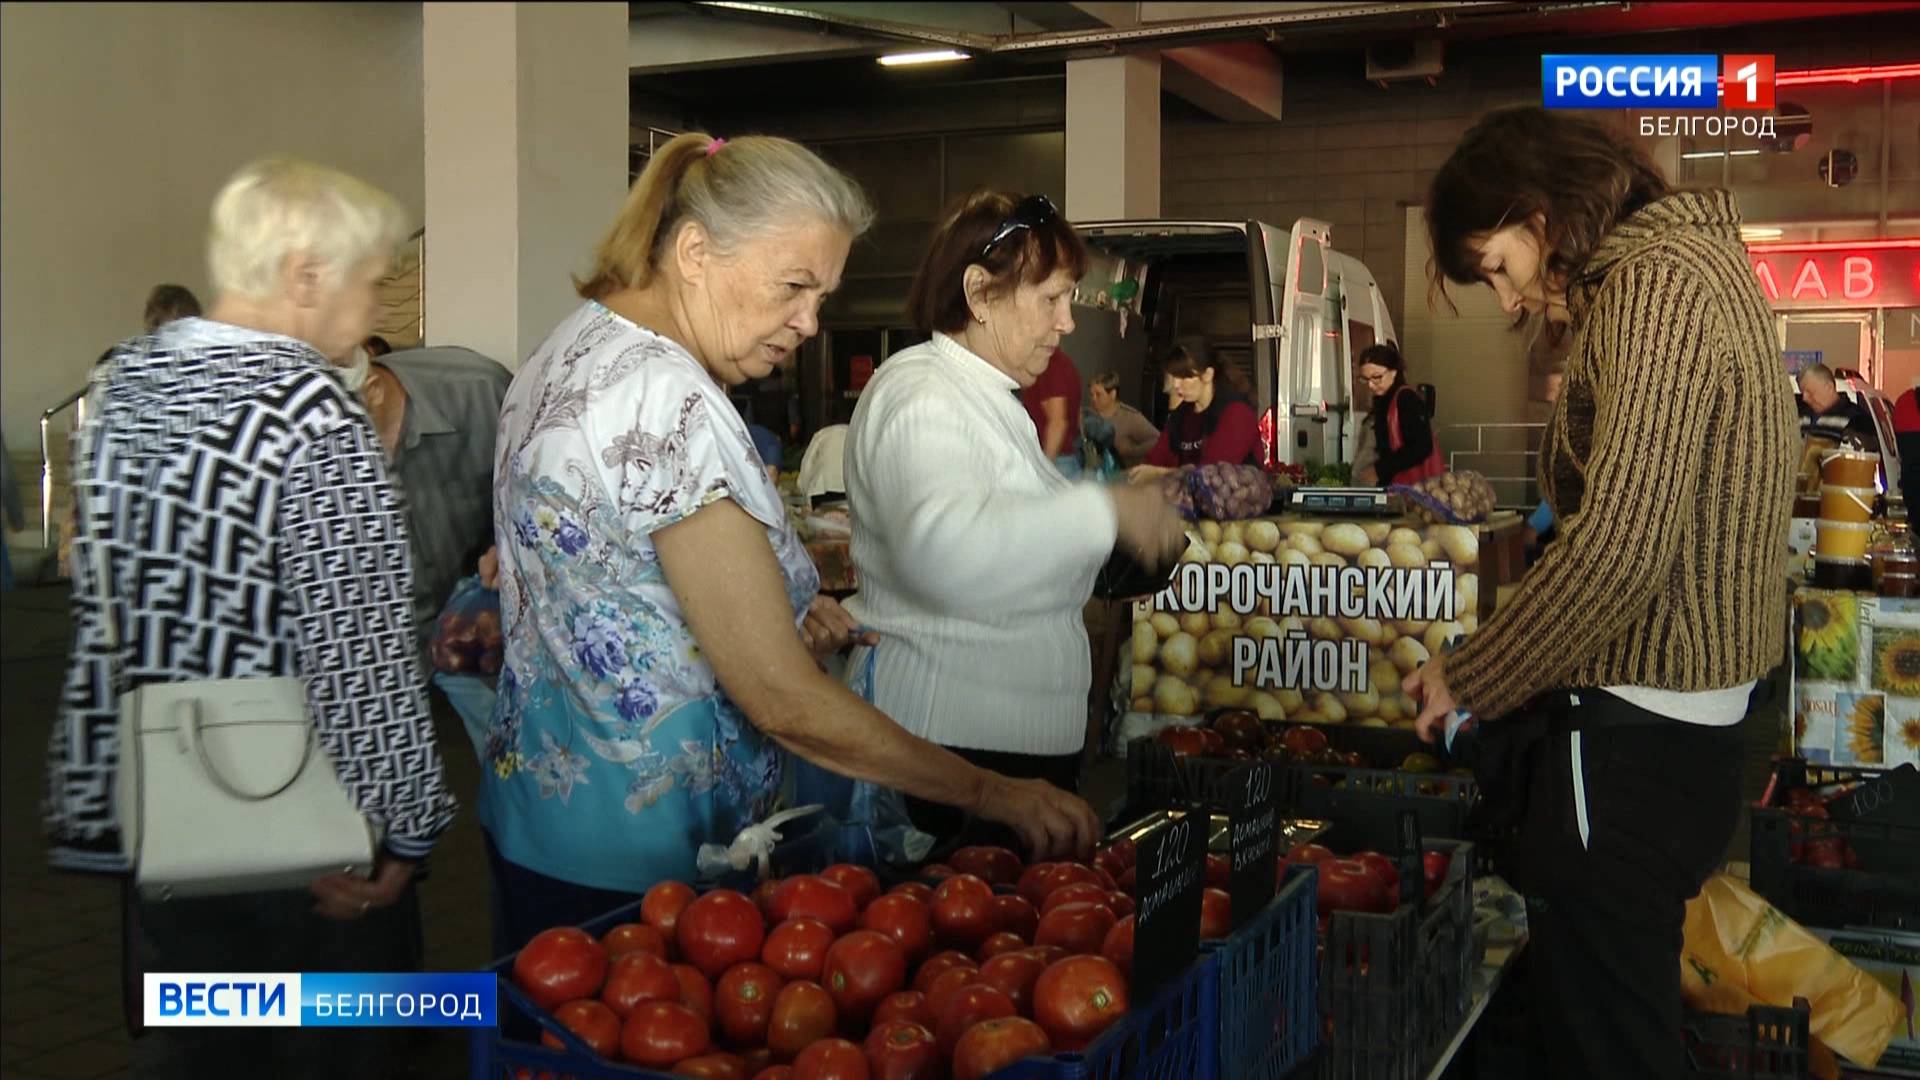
x,y
1016,972
1837,846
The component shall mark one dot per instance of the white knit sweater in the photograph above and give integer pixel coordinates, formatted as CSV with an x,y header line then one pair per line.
x,y
975,557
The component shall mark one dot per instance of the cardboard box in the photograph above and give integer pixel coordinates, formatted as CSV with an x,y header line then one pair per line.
x,y
1892,958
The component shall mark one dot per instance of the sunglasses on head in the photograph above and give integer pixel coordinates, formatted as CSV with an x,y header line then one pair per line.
x,y
1032,212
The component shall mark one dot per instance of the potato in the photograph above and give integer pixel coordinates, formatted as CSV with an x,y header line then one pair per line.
x,y
1328,706
1432,550
1146,643
1440,633
1221,693
1402,536
1377,532
1216,649
1325,629
1263,536
1459,542
1290,699
1261,558
1180,655
1302,528
1345,538
1226,619
1373,559
1262,627
1372,721
1327,558
1409,707
1390,708
1384,675
1405,725
1164,624
1234,532
1408,654
1470,622
1366,630
1293,556
1230,553
1389,633
1406,556
1196,623
1143,704
1210,531
1197,552
1143,677
1466,594
1308,716
1307,543
1171,695
1413,628
1266,705
1366,704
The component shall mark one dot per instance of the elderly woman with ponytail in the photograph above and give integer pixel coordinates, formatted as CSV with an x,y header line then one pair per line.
x,y
660,614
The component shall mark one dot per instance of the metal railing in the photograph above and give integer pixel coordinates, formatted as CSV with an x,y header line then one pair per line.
x,y
1524,459
77,401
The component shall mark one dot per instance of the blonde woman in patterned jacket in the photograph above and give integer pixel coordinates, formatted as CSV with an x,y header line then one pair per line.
x,y
251,529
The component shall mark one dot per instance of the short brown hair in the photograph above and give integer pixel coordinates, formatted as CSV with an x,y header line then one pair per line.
x,y
1581,177
169,302
938,299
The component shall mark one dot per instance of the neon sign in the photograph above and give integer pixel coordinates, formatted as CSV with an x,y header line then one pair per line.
x,y
1863,274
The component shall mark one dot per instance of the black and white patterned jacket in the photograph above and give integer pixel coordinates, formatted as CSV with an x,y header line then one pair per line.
x,y
253,531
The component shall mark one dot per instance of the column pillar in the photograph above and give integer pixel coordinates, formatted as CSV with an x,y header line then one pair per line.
x,y
1113,138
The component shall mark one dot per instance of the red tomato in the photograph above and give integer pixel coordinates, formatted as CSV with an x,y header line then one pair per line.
x,y
810,897
904,1050
714,1067
1126,880
797,948
638,977
561,964
1110,860
1216,914
634,937
938,964
775,1072
1080,892
832,1059
1077,928
992,1045
906,1005
1309,853
1015,915
594,1023
1013,974
861,883
1190,740
763,899
695,992
1048,954
660,1033
1434,866
862,969
1119,945
963,910
969,1006
1065,874
994,865
719,930
1303,740
1033,883
937,871
941,992
1001,942
917,889
757,1060
1077,999
1219,871
743,1002
1127,851
802,1014
1347,885
1103,879
1120,902
1383,869
904,919
662,905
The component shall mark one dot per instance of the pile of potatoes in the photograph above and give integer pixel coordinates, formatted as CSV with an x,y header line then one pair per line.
x,y
1182,664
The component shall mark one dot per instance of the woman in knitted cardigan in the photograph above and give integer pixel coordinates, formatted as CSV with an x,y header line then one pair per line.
x,y
1623,663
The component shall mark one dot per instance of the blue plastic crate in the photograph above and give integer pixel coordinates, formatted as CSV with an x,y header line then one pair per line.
x,y
1268,985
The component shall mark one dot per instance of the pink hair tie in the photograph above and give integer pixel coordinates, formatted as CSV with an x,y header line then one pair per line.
x,y
714,146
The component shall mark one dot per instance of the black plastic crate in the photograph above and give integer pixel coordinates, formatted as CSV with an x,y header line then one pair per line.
x,y
1364,806
1884,892
1768,1043
1160,780
1394,988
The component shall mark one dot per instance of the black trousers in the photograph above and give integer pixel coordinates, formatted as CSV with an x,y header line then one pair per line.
x,y
953,828
1626,813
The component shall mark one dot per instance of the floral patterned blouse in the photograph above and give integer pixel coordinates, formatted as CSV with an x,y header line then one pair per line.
x,y
613,754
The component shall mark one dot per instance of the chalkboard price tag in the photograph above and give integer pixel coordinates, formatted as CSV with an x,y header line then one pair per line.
x,y
1891,799
1168,876
1253,821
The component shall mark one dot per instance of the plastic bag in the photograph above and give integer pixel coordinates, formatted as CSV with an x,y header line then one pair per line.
x,y
466,638
1455,498
1219,492
1740,950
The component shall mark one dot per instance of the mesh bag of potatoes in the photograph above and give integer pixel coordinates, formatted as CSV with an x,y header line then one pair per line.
x,y
1454,498
1220,492
1182,663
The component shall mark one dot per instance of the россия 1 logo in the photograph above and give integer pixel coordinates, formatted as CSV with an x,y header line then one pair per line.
x,y
1691,81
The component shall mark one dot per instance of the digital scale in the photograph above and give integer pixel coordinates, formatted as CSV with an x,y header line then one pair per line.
x,y
1357,501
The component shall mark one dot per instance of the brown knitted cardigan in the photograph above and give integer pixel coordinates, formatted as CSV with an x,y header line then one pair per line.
x,y
1669,462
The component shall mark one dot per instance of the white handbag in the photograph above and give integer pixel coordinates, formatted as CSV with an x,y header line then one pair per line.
x,y
222,785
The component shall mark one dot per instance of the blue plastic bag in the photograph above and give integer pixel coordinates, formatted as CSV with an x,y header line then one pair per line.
x,y
882,810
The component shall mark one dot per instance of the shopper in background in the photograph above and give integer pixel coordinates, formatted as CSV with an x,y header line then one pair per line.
x,y
1211,423
1614,680
975,555
1119,427
1906,435
1828,413
653,590
251,529
1053,401
167,303
376,346
1404,448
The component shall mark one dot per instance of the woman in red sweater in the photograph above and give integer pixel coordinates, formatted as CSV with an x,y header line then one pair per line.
x,y
1211,422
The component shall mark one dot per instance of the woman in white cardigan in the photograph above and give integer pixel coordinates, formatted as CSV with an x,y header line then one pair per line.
x,y
975,556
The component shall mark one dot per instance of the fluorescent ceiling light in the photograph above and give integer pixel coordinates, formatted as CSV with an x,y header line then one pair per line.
x,y
936,56
1695,155
1759,232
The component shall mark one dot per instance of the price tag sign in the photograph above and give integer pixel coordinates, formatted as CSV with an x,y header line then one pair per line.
x,y
1891,799
1253,821
1168,876
1412,860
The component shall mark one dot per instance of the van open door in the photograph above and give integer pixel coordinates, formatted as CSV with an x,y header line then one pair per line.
x,y
1311,400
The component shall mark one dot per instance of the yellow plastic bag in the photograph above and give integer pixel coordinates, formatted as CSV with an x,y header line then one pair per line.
x,y
1740,950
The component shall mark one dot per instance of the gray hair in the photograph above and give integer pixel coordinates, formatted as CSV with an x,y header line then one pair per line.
x,y
1819,373
277,208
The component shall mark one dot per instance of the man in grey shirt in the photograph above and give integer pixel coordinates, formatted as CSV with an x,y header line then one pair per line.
x,y
1120,427
437,411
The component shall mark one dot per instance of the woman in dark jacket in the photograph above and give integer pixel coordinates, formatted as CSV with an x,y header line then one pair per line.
x,y
1402,421
1211,421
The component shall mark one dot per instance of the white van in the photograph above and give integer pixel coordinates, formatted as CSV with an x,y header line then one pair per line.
x,y
1281,306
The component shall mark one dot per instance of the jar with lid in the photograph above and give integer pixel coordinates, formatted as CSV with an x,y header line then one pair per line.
x,y
1896,563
